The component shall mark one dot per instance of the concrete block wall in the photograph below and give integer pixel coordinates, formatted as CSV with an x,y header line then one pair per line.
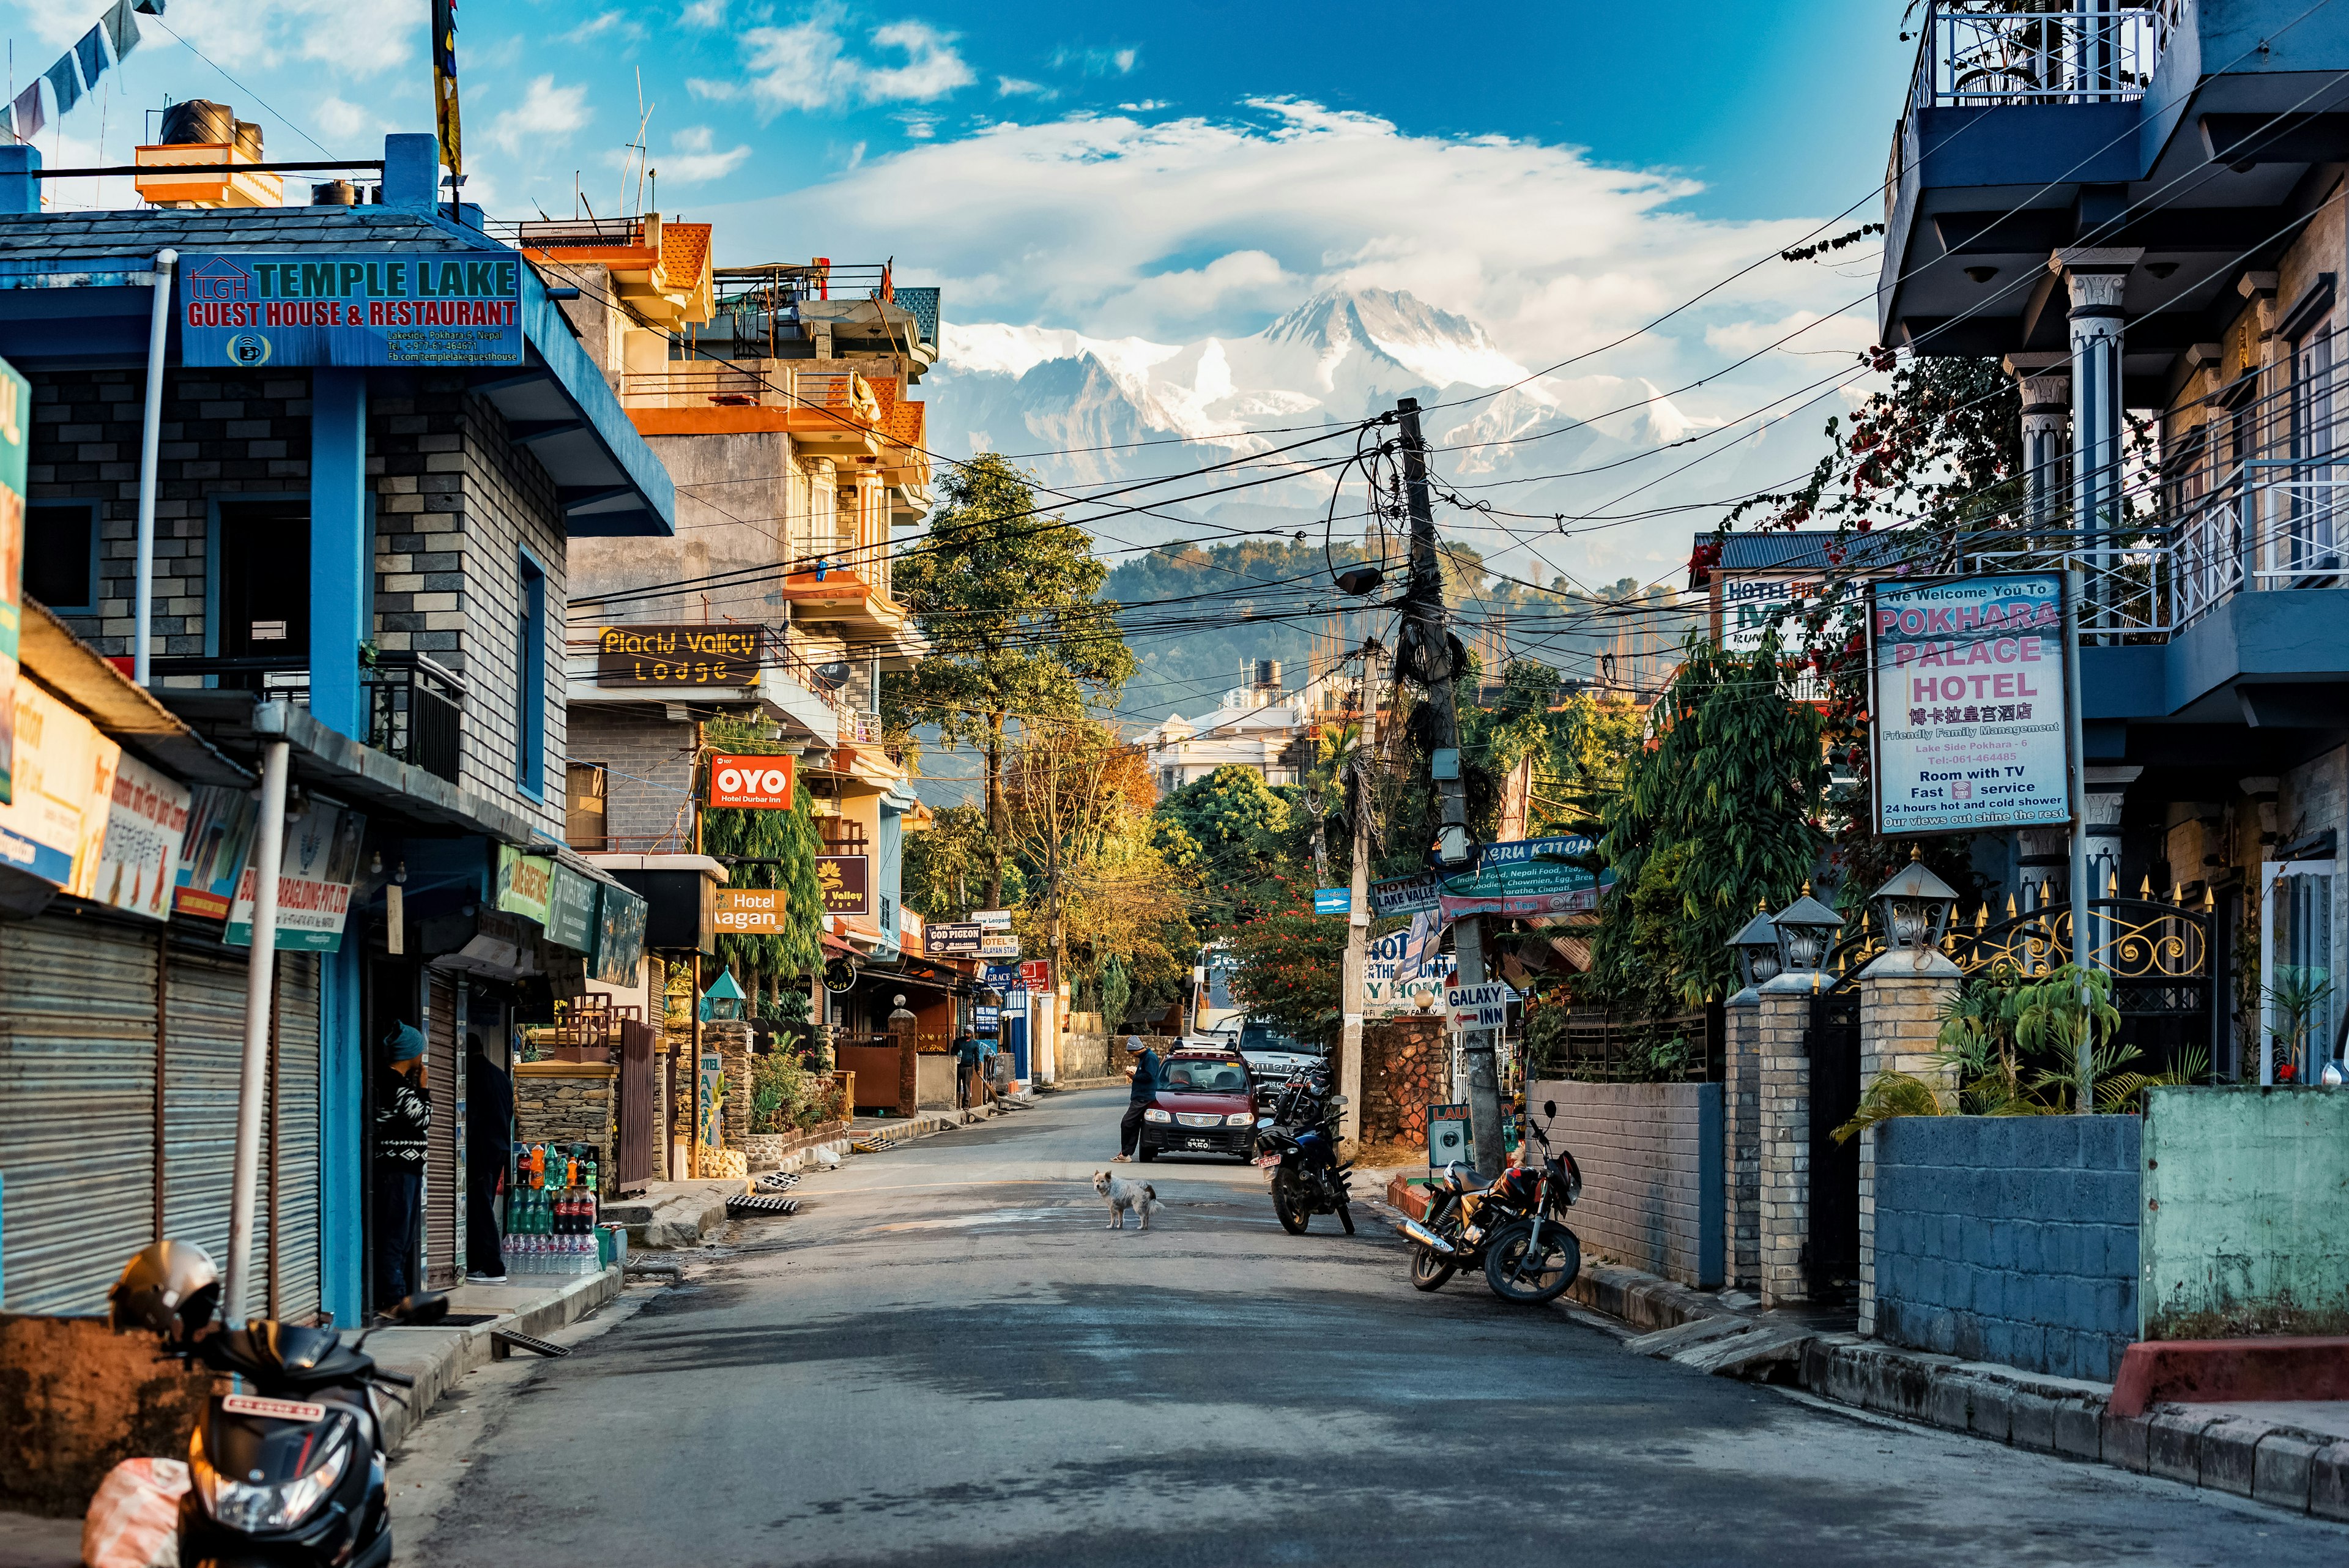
x,y
1782,1116
1899,1025
648,783
1741,1146
566,1103
1651,1159
2009,1239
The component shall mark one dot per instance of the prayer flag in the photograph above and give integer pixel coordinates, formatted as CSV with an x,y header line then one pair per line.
x,y
121,31
65,83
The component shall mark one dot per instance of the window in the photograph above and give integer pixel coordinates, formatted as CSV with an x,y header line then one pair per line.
x,y
61,556
2310,512
584,818
529,678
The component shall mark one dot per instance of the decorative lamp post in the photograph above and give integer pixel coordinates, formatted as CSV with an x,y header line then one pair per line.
x,y
1757,947
722,1003
1913,909
1807,931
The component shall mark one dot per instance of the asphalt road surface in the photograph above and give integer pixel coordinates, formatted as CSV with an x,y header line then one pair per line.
x,y
946,1357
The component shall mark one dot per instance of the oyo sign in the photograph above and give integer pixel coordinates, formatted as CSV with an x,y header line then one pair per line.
x,y
754,782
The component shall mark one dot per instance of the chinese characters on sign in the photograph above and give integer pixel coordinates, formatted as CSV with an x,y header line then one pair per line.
x,y
420,307
1969,704
679,656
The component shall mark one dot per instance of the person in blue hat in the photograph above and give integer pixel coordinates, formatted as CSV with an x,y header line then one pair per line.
x,y
403,1123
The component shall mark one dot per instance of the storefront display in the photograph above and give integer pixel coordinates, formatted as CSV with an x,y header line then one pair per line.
x,y
551,1212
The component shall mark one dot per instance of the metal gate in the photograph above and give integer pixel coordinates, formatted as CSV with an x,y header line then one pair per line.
x,y
637,1111
293,1122
1831,1256
204,1063
444,1191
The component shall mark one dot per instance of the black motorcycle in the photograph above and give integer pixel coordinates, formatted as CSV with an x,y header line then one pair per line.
x,y
1514,1227
1298,1142
290,1470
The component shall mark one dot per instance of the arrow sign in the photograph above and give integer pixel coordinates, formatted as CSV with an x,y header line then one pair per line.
x,y
1482,1006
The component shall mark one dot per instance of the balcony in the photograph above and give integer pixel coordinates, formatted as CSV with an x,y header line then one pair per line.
x,y
415,705
2001,53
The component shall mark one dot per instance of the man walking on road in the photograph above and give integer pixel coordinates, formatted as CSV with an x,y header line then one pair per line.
x,y
1147,1073
967,1056
488,1155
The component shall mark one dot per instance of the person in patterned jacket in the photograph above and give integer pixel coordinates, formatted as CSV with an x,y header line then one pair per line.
x,y
403,1120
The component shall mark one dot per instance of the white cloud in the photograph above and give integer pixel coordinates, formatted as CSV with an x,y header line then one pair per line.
x,y
1095,62
808,66
693,157
546,113
1020,86
1123,60
705,14
603,23
343,121
717,92
1145,106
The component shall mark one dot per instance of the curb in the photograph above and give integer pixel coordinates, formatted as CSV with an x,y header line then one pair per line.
x,y
439,1358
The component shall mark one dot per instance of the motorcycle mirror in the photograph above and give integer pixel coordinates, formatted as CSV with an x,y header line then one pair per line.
x,y
1549,1109
1263,1122
1336,1100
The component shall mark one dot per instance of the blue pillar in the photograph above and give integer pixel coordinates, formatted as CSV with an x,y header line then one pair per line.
x,y
19,192
412,172
339,570
342,1147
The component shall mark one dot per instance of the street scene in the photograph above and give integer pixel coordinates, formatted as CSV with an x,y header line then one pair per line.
x,y
988,784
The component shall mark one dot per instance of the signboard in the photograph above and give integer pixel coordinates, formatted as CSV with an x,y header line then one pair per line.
x,y
991,946
1406,894
679,655
320,861
1333,901
1485,1005
405,306
1393,979
619,935
991,919
1748,607
1035,974
754,911
145,823
15,414
62,782
712,1104
221,819
1969,704
1447,1137
752,782
985,1015
1525,876
571,910
1001,976
525,883
958,939
846,881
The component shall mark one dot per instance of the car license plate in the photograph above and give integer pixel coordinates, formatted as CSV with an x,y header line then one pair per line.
x,y
1268,1159
275,1409
1202,1143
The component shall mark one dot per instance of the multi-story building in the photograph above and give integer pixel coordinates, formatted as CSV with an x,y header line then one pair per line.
x,y
2140,209
1259,725
375,444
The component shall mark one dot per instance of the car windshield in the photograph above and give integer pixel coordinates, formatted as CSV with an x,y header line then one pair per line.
x,y
1203,1076
1255,1036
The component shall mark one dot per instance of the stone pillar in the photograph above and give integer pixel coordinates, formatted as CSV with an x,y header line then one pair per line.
x,y
1740,1142
2097,278
731,1042
904,1032
1902,995
2047,384
1782,1129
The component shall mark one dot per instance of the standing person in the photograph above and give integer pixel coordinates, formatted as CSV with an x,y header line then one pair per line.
x,y
965,1068
489,1156
403,1120
1148,1073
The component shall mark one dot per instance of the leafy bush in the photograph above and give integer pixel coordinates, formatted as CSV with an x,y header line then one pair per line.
x,y
786,1095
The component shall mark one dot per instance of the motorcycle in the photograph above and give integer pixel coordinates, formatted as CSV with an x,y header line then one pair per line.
x,y
1514,1227
288,1470
1298,1143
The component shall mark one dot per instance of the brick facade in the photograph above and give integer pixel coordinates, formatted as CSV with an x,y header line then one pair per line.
x,y
1900,1018
1651,1157
1783,1119
1740,1144
1406,1067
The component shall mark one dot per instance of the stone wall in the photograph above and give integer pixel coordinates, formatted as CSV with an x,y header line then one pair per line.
x,y
566,1103
732,1042
1087,1054
2010,1239
1651,1158
1406,1067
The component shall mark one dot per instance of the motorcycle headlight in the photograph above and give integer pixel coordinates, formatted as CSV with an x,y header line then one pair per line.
x,y
1154,1115
1237,1119
250,1508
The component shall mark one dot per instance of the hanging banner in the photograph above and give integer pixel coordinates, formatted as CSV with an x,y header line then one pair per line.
x,y
846,881
754,911
63,782
221,819
619,935
1525,876
1406,894
145,823
320,862
444,85
571,910
524,884
15,411
1968,702
752,782
418,307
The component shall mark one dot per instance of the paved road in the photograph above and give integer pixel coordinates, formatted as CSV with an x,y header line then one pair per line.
x,y
947,1358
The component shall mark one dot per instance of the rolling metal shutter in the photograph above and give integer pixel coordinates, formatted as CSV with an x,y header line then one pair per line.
x,y
444,1196
77,1107
204,1009
294,1142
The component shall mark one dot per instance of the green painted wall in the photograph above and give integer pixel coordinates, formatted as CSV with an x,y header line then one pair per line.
x,y
2246,1217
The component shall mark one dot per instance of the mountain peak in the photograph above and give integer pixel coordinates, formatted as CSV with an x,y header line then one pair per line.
x,y
1432,345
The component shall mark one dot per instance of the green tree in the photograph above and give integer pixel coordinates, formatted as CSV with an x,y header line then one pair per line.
x,y
1235,830
778,850
947,866
1005,598
1290,961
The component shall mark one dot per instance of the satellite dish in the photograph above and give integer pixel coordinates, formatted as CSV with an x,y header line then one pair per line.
x,y
833,676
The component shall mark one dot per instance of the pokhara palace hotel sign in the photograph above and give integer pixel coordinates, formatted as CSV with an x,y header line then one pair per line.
x,y
1968,704
377,307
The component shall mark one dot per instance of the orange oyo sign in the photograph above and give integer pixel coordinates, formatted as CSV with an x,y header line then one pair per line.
x,y
753,781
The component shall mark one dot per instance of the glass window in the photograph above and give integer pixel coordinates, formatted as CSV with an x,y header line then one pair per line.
x,y
61,556
1255,1036
584,819
529,678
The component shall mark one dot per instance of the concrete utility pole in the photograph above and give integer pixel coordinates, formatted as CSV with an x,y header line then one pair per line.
x,y
1424,610
1358,920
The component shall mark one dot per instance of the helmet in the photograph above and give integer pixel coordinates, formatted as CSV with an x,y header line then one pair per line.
x,y
172,1288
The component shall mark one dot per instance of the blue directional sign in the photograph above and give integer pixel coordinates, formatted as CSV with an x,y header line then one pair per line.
x,y
377,307
1333,901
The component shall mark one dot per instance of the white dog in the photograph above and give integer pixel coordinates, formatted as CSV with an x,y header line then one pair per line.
x,y
1123,1195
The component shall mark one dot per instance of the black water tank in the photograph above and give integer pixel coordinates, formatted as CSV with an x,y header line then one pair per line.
x,y
199,120
334,193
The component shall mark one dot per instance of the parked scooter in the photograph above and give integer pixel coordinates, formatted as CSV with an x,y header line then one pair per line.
x,y
1514,1227
1298,1144
290,1471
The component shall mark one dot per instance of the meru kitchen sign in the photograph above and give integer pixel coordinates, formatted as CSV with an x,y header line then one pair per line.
x,y
699,655
377,307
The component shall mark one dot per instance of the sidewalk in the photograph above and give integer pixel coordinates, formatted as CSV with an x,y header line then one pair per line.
x,y
2292,1454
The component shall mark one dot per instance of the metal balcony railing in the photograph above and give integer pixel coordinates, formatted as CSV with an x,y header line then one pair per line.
x,y
415,705
1999,53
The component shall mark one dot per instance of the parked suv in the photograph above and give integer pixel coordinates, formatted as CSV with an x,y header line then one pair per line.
x,y
1272,1055
1207,1105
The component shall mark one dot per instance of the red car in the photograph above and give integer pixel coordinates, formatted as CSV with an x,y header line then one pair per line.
x,y
1204,1106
